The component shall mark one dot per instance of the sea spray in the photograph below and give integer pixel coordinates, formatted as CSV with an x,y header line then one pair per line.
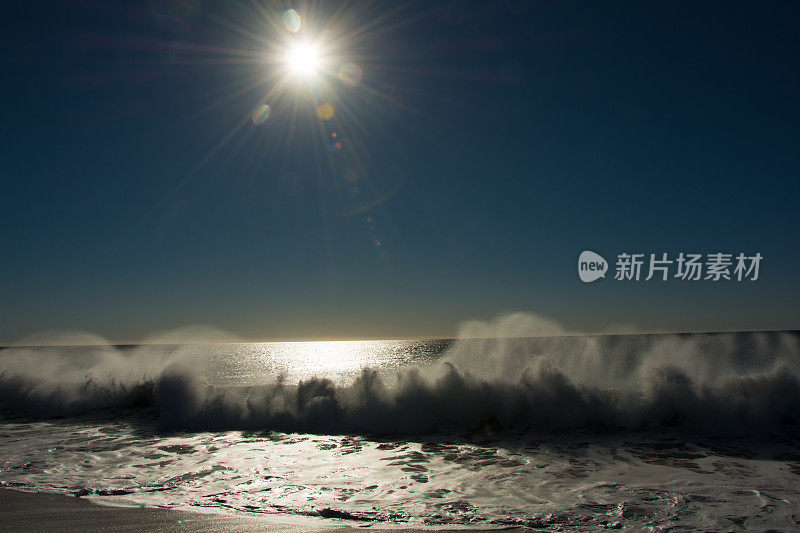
x,y
502,373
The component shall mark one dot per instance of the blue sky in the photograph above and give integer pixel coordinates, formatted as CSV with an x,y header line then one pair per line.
x,y
485,147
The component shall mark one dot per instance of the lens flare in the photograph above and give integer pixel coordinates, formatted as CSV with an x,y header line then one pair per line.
x,y
260,114
291,19
325,112
351,74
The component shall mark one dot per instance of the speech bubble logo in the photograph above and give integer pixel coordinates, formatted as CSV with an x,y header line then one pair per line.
x,y
591,266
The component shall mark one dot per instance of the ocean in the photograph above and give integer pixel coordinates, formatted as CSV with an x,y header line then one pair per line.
x,y
641,432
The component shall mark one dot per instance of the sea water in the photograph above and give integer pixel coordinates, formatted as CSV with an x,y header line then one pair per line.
x,y
678,432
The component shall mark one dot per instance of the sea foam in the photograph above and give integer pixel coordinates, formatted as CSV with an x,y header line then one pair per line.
x,y
519,372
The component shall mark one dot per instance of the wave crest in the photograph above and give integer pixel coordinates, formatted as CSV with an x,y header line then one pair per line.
x,y
711,384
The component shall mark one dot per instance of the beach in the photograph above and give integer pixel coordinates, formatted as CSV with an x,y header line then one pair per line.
x,y
24,511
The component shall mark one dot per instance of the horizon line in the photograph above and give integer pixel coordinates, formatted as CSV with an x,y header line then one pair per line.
x,y
565,334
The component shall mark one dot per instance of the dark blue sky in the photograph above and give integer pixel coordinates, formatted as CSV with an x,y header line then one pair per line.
x,y
486,146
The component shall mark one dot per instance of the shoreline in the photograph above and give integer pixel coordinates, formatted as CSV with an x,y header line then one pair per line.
x,y
39,511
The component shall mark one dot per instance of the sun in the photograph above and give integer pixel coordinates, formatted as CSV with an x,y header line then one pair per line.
x,y
304,59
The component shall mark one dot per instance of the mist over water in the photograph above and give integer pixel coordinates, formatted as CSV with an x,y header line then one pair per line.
x,y
520,372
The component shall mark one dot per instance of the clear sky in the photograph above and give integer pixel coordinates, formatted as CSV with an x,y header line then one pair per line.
x,y
479,148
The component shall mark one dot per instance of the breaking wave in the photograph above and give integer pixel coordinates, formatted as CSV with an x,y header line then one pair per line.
x,y
496,376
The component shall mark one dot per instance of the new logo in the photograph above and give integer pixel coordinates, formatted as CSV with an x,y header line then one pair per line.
x,y
591,266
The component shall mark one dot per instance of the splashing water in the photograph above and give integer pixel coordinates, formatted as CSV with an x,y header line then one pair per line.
x,y
516,422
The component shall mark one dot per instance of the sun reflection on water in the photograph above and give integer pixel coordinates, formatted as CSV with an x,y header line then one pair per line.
x,y
341,361
325,357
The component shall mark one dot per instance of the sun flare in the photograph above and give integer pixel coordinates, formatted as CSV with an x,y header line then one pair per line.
x,y
304,59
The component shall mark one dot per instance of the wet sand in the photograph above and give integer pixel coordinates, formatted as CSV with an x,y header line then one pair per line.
x,y
22,511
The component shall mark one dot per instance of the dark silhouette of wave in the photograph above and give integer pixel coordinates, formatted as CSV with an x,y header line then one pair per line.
x,y
720,384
